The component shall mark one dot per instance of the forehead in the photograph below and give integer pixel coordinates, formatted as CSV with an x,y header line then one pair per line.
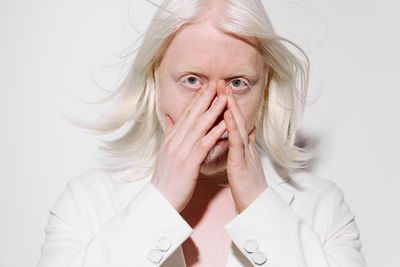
x,y
204,48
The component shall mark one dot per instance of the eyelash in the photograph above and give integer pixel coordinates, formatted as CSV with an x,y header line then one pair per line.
x,y
247,83
188,77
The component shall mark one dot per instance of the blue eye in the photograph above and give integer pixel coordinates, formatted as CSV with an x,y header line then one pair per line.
x,y
238,84
192,82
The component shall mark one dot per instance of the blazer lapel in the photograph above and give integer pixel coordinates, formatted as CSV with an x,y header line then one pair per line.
x,y
275,180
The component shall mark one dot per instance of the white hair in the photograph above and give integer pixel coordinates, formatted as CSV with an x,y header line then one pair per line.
x,y
134,100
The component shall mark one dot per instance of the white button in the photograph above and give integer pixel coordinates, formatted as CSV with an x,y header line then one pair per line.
x,y
155,256
250,246
259,258
164,243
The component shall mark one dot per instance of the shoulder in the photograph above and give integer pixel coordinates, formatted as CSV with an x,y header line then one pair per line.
x,y
103,187
315,190
310,189
88,188
299,182
89,179
320,202
96,180
307,182
92,197
91,184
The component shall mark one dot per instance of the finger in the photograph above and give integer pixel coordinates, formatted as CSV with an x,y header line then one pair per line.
x,y
210,116
201,103
194,110
183,115
169,126
252,143
205,144
204,124
237,114
236,145
221,87
207,120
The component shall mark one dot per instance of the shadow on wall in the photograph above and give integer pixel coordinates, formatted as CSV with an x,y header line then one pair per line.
x,y
311,142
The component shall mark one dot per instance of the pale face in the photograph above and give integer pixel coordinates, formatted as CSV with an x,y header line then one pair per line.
x,y
199,55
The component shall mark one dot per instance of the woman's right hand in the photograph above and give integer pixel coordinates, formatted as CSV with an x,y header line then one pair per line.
x,y
186,144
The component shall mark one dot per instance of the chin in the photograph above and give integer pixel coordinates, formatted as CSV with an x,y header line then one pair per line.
x,y
215,162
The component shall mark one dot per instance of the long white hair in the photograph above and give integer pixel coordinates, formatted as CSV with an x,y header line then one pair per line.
x,y
133,103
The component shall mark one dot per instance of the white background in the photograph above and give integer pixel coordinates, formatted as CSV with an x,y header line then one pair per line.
x,y
50,52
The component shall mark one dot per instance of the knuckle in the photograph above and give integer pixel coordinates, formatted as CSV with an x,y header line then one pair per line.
x,y
196,126
179,164
180,157
202,146
239,142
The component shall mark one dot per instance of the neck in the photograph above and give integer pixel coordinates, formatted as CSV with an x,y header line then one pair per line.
x,y
212,195
217,179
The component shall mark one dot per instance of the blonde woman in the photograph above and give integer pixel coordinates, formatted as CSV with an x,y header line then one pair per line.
x,y
209,173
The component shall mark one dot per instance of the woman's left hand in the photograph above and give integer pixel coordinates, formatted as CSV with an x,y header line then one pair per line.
x,y
245,173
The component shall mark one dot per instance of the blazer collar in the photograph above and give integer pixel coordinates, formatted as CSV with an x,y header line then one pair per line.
x,y
275,180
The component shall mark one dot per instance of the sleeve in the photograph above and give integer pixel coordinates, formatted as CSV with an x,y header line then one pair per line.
x,y
145,233
270,233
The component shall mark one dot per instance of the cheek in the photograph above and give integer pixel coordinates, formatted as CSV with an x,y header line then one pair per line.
x,y
249,108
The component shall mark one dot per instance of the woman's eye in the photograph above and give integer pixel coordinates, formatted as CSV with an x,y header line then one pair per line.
x,y
238,84
192,82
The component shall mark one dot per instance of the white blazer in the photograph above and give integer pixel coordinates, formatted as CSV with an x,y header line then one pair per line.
x,y
97,223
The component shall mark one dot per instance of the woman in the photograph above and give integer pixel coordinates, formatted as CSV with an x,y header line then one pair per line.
x,y
215,97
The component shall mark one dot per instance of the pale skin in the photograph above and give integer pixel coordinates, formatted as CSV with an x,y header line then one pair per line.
x,y
209,82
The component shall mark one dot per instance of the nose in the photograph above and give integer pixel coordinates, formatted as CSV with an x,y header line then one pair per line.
x,y
220,91
220,87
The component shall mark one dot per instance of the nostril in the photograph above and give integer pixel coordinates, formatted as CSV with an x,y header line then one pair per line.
x,y
219,118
